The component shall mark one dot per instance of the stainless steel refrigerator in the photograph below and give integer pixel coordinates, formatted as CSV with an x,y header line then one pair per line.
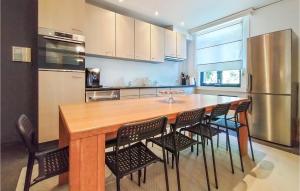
x,y
272,87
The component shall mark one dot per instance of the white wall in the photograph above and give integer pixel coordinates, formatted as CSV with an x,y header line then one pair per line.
x,y
116,72
278,16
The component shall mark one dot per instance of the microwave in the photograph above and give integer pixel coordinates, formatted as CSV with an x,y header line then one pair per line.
x,y
60,51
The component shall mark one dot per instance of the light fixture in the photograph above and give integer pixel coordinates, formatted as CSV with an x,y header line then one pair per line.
x,y
156,13
182,23
120,1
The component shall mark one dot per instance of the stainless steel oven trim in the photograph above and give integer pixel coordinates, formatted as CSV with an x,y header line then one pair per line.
x,y
63,39
61,70
106,95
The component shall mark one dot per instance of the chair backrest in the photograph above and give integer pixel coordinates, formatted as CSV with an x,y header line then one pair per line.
x,y
188,118
134,132
242,107
220,110
24,128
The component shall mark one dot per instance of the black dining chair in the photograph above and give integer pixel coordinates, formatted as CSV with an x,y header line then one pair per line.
x,y
233,124
131,154
50,162
207,131
174,141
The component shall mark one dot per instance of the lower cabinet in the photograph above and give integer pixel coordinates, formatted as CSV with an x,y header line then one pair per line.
x,y
56,88
150,92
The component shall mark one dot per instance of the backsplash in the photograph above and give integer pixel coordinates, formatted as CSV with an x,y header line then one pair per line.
x,y
116,72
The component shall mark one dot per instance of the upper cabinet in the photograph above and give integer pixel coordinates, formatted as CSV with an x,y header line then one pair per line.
x,y
124,37
62,15
181,46
157,44
175,45
142,40
99,31
170,43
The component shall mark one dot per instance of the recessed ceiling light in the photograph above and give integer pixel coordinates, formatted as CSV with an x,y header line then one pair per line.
x,y
156,13
182,23
120,1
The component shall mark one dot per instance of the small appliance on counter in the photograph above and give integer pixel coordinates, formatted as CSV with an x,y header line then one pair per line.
x,y
92,77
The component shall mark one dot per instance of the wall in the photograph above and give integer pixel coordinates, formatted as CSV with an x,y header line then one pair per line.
x,y
116,72
18,80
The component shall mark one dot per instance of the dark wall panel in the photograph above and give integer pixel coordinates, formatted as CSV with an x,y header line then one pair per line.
x,y
18,80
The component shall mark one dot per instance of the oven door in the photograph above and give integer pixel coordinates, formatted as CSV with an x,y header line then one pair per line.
x,y
93,96
60,54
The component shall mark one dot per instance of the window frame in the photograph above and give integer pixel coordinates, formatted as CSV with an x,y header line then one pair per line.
x,y
219,79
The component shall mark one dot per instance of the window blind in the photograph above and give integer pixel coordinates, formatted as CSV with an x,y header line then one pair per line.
x,y
221,49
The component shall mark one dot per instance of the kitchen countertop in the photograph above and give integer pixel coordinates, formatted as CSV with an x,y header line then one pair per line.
x,y
137,87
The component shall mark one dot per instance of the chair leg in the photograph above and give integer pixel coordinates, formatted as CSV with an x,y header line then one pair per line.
x,y
226,144
118,184
167,157
172,161
197,145
139,177
192,147
177,170
218,137
214,162
28,173
205,163
239,144
250,141
166,170
230,154
144,175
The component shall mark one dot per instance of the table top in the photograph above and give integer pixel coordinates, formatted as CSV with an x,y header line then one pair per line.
x,y
88,119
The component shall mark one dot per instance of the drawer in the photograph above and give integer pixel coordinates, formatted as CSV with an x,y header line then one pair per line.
x,y
129,92
148,91
130,97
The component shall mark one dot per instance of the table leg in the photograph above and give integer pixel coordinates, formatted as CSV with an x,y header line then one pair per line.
x,y
243,135
87,164
63,141
86,161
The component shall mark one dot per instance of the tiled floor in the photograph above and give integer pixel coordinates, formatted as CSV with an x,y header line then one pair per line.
x,y
273,170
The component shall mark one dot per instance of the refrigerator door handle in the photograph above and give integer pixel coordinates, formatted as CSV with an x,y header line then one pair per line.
x,y
250,83
250,107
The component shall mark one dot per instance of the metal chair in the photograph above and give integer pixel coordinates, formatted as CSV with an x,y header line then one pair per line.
x,y
233,124
174,141
51,162
208,131
134,154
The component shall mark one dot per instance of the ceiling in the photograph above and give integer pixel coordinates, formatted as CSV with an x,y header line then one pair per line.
x,y
173,12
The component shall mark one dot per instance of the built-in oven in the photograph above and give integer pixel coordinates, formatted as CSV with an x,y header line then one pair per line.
x,y
60,51
102,95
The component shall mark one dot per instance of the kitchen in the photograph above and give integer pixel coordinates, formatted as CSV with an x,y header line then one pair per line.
x,y
97,53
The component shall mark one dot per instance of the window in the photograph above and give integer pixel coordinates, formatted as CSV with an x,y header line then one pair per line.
x,y
226,78
220,54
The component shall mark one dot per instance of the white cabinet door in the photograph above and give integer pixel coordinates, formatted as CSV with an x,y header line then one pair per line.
x,y
100,31
62,15
157,44
142,40
124,36
54,89
181,46
170,43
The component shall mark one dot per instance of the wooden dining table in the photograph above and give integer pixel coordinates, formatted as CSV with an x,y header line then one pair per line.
x,y
85,128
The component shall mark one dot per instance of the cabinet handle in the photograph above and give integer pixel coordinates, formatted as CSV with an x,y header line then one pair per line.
x,y
77,77
73,29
